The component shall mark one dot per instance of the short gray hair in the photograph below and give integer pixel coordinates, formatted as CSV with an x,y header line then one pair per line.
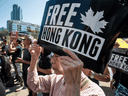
x,y
31,38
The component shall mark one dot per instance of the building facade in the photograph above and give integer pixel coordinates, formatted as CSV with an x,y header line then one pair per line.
x,y
16,25
16,13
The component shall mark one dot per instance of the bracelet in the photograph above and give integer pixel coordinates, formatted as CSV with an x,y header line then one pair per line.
x,y
92,76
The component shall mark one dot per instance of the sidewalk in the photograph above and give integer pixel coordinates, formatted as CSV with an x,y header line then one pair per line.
x,y
106,87
10,91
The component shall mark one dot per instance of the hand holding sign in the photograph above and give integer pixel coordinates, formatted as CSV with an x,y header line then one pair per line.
x,y
72,67
87,27
35,51
119,59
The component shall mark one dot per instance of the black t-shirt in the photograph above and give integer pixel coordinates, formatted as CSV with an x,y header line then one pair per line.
x,y
121,77
2,90
26,57
44,63
5,48
18,53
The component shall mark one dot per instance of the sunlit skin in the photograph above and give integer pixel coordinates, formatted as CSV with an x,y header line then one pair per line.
x,y
69,66
56,65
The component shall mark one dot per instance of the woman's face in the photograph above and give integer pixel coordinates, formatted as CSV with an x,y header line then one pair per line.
x,y
56,65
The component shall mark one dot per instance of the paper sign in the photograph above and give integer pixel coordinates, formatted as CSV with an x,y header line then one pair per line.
x,y
119,59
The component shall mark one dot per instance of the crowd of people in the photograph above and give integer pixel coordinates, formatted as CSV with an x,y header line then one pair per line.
x,y
50,74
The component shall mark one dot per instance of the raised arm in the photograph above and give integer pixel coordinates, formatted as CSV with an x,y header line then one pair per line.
x,y
35,82
72,67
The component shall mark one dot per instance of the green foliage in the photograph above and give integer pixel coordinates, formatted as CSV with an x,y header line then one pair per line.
x,y
35,33
4,33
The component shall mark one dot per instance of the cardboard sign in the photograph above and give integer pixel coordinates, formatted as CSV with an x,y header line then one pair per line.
x,y
119,59
87,27
122,43
14,36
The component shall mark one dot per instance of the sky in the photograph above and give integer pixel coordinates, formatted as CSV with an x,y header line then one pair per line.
x,y
32,10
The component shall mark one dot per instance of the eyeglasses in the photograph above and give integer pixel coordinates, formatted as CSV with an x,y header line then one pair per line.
x,y
52,55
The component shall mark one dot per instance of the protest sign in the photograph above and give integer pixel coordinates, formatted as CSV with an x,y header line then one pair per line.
x,y
122,43
87,27
14,35
119,59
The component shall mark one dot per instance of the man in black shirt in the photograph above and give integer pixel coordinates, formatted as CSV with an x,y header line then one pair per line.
x,y
26,61
16,52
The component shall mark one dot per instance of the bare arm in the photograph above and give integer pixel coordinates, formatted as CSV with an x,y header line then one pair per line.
x,y
112,84
3,52
12,49
101,77
20,60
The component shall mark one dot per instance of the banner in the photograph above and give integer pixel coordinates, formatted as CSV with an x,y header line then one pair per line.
x,y
87,27
119,59
14,35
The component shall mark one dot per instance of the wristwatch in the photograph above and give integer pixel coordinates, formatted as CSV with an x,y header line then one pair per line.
x,y
92,76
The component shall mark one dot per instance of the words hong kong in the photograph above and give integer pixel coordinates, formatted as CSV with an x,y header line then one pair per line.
x,y
79,41
59,32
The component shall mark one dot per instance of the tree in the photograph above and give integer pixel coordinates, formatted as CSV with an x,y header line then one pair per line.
x,y
4,33
35,33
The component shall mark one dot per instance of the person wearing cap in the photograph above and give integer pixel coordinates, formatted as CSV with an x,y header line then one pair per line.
x,y
68,79
16,51
27,41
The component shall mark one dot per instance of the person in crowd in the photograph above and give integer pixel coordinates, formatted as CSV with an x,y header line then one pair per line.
x,y
26,61
68,79
120,79
114,83
3,38
16,52
2,90
44,65
4,48
5,74
96,77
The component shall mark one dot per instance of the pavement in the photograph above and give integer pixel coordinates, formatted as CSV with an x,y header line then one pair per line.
x,y
10,91
106,88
